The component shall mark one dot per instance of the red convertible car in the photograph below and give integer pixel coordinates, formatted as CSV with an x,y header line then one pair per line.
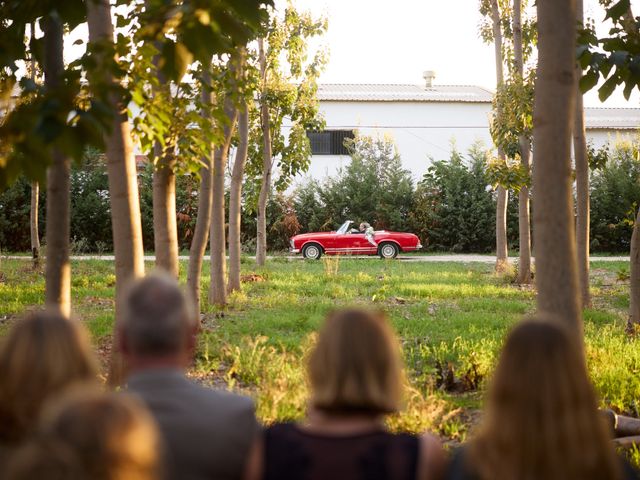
x,y
347,241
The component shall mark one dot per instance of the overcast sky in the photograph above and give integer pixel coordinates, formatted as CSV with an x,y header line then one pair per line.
x,y
379,41
394,41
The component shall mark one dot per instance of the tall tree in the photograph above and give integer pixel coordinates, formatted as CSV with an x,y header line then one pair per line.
x,y
582,181
165,227
203,220
287,90
183,33
267,161
58,269
121,171
524,224
235,198
554,236
33,222
35,186
176,130
598,56
218,287
502,258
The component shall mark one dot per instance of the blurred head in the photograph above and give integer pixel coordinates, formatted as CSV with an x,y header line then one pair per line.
x,y
541,412
89,435
356,366
41,356
159,321
364,226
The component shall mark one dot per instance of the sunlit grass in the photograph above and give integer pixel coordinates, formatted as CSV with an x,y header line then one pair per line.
x,y
449,317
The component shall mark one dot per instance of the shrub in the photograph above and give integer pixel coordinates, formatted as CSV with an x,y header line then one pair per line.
x,y
186,207
454,208
615,196
373,187
90,205
15,207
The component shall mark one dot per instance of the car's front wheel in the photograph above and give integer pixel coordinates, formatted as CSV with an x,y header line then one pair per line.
x,y
312,251
388,250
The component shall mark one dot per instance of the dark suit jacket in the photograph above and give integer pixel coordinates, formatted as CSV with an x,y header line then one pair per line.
x,y
207,433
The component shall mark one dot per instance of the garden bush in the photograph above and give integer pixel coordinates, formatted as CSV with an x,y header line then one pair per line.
x,y
452,208
374,187
15,207
615,196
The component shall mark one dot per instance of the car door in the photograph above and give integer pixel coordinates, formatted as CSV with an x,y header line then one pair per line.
x,y
347,243
362,246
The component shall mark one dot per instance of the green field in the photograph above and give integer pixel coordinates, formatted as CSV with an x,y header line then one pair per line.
x,y
450,317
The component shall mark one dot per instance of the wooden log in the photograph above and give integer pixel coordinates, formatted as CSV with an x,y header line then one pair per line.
x,y
626,442
627,426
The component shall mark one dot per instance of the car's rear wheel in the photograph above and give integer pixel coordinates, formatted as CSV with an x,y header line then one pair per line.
x,y
388,250
312,251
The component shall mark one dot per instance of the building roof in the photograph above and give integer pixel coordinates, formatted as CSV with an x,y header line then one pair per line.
x,y
612,118
362,92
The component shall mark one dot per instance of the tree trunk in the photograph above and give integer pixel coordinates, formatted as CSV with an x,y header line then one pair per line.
x,y
165,228
235,200
123,184
203,221
265,186
554,236
35,186
58,270
502,256
33,223
524,222
634,293
218,287
582,184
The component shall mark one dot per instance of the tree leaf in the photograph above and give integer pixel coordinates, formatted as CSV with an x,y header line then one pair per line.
x,y
607,88
618,10
588,81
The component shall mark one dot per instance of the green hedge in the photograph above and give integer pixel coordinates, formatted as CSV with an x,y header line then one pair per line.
x,y
452,208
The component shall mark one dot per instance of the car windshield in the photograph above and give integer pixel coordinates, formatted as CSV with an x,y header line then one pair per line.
x,y
344,227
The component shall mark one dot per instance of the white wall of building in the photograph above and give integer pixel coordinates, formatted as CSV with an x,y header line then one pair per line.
x,y
421,130
599,137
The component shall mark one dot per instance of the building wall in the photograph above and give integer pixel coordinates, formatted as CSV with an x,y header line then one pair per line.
x,y
599,137
423,131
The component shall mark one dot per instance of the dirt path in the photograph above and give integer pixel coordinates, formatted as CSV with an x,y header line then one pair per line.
x,y
453,258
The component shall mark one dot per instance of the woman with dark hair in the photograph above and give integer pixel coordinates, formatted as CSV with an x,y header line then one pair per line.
x,y
355,372
541,418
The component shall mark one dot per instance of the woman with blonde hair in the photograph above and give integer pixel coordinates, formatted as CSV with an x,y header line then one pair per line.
x,y
355,374
541,419
90,435
42,355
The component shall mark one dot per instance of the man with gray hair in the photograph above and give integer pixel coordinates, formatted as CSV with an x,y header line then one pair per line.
x,y
207,433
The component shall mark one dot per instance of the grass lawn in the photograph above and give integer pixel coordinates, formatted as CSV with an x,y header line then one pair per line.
x,y
451,319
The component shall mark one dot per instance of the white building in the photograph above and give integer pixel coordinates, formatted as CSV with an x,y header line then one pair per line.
x,y
425,120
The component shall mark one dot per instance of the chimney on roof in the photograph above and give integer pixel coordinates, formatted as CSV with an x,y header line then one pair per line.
x,y
428,76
